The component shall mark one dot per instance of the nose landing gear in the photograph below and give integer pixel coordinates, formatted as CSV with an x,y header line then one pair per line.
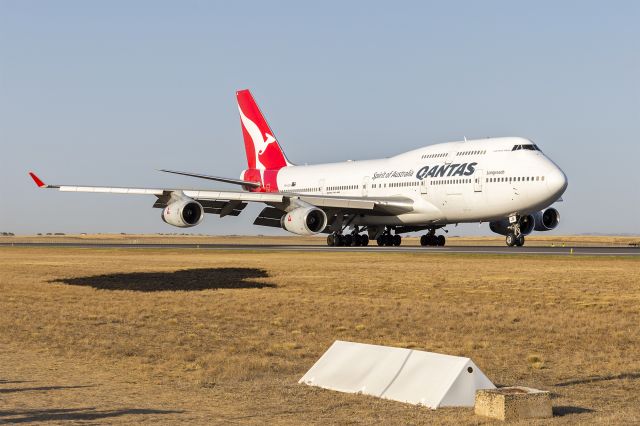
x,y
515,237
514,241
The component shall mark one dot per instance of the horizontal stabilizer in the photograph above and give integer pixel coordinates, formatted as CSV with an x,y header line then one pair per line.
x,y
216,178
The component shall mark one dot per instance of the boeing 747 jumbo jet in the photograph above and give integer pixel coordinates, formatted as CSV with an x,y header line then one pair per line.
x,y
506,181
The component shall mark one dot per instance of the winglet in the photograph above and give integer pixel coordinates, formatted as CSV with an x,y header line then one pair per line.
x,y
37,180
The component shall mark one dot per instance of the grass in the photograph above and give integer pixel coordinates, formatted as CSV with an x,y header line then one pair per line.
x,y
196,336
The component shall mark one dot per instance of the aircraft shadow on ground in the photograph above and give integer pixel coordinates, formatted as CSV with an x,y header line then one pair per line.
x,y
593,379
182,280
564,410
73,414
40,388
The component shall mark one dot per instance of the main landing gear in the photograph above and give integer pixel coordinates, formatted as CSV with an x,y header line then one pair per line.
x,y
387,239
348,240
431,239
358,237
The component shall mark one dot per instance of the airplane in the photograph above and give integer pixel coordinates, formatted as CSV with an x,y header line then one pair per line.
x,y
506,181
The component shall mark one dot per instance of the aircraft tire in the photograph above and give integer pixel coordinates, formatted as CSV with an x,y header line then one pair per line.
x,y
380,240
520,241
510,239
364,240
424,240
440,241
357,240
331,240
348,240
397,240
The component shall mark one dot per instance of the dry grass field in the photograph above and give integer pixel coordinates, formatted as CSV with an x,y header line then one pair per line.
x,y
193,336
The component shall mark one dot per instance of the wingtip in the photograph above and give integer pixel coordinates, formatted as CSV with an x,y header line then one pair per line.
x,y
37,180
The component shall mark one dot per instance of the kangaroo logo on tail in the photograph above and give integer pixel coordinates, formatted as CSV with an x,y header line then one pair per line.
x,y
264,155
259,144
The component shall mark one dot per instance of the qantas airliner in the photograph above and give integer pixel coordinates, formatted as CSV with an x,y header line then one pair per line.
x,y
505,181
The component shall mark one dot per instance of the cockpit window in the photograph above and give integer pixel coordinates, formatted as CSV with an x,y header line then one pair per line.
x,y
530,147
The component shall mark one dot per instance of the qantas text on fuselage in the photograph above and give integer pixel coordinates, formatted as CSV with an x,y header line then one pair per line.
x,y
505,181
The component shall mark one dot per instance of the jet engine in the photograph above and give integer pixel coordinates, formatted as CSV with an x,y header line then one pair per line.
x,y
183,213
527,224
304,221
547,220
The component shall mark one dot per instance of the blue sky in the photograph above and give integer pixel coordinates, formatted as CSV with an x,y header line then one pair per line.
x,y
107,92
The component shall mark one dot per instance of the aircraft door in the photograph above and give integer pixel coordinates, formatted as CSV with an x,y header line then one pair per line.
x,y
478,180
321,186
424,183
365,186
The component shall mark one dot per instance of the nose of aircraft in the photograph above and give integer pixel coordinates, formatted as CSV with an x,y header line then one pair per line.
x,y
557,181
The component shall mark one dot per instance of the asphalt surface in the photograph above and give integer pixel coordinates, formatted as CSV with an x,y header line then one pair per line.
x,y
569,251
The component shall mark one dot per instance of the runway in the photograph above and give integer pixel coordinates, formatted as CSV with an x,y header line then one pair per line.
x,y
493,250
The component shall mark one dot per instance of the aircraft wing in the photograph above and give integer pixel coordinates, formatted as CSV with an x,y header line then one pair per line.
x,y
232,202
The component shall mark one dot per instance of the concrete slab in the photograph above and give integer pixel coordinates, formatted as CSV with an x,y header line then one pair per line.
x,y
513,403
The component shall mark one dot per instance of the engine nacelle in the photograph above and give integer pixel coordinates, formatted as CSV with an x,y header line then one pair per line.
x,y
547,220
183,213
527,225
304,221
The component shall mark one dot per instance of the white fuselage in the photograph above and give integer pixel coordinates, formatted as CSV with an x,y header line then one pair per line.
x,y
468,181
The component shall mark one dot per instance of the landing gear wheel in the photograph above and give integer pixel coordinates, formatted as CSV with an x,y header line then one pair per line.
x,y
440,240
380,240
511,240
331,240
397,240
520,240
424,240
388,240
357,240
348,240
364,240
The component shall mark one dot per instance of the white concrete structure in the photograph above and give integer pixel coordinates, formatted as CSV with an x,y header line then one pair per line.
x,y
405,375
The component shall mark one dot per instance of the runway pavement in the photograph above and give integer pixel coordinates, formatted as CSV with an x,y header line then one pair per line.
x,y
498,250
